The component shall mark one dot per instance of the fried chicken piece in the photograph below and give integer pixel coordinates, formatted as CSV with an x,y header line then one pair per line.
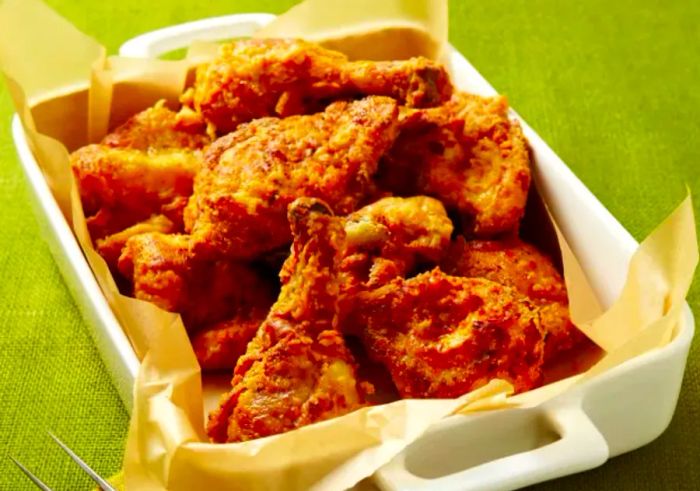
x,y
121,187
468,154
297,370
144,168
413,229
218,346
110,247
254,78
521,266
251,175
389,239
442,336
384,240
159,128
165,273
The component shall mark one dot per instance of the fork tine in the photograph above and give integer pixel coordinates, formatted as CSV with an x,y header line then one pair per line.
x,y
38,482
102,483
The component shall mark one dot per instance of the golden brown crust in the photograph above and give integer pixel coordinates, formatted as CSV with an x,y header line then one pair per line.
x,y
158,128
443,336
468,154
110,247
521,266
297,370
386,240
255,78
251,175
219,345
418,225
121,187
164,272
143,168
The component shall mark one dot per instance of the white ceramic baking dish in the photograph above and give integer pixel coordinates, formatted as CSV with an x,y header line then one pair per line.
x,y
618,411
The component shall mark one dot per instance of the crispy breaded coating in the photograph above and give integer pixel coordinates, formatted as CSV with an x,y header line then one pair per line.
x,y
384,240
297,370
388,239
254,78
442,336
164,272
121,187
468,154
418,226
250,176
159,128
143,168
219,345
110,247
521,266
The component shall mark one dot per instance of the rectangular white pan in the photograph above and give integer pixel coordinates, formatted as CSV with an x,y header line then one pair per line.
x,y
618,411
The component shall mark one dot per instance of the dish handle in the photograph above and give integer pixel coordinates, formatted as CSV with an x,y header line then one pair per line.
x,y
155,43
580,447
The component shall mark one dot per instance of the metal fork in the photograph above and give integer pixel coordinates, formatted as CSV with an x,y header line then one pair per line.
x,y
101,482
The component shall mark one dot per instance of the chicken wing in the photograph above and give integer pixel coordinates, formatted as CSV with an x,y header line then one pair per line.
x,y
414,229
442,336
386,240
468,154
297,370
144,168
164,272
253,78
521,266
251,175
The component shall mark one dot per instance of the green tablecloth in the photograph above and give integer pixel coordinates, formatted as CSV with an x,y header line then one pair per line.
x,y
612,85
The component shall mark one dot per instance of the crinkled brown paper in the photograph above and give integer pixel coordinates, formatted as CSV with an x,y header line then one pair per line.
x,y
68,93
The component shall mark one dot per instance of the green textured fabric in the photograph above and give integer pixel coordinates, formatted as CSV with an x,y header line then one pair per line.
x,y
612,86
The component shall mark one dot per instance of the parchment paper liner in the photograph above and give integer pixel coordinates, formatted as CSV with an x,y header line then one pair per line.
x,y
166,447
